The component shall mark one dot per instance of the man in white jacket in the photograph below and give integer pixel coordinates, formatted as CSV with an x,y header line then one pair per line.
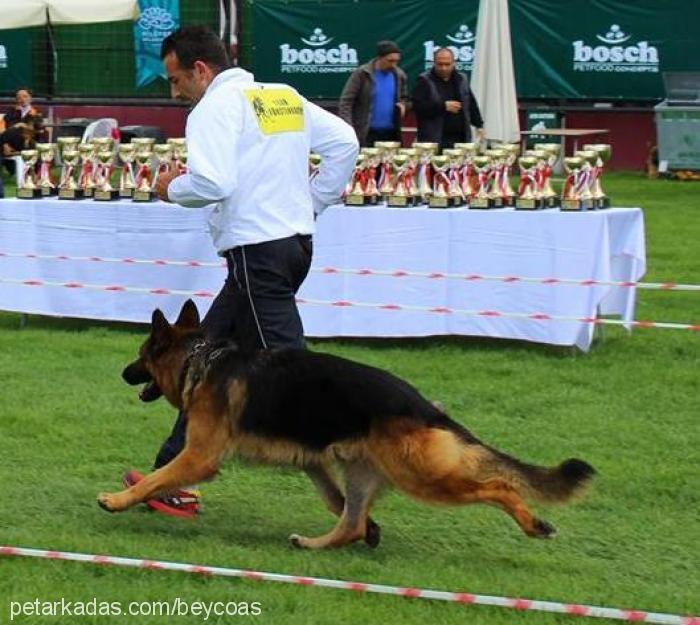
x,y
248,145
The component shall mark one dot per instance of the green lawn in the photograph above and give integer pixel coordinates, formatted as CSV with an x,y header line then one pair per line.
x,y
69,426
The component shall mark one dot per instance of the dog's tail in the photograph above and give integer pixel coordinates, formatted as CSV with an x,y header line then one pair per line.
x,y
444,462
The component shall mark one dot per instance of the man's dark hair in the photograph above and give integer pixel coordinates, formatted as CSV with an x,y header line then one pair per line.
x,y
196,43
441,50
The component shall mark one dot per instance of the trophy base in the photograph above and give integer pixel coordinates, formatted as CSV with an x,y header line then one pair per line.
x,y
71,194
126,193
28,194
529,204
509,201
576,205
601,203
439,201
399,201
481,203
106,196
354,199
144,196
89,192
48,191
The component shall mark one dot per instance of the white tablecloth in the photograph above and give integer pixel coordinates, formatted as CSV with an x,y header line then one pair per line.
x,y
603,245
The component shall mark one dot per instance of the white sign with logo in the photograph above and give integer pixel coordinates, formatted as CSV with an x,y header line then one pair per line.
x,y
319,57
462,45
615,53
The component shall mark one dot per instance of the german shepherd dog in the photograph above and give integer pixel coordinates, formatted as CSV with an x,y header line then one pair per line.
x,y
321,412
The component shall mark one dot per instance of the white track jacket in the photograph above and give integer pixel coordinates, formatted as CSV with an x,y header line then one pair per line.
x,y
247,152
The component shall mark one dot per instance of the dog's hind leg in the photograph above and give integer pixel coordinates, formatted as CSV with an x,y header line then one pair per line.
x,y
363,483
335,501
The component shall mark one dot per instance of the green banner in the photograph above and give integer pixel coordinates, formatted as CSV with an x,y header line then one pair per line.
x,y
15,60
603,49
315,46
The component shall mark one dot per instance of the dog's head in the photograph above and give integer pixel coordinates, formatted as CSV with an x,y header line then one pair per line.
x,y
162,354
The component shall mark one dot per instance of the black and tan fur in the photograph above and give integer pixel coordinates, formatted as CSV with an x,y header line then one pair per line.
x,y
318,412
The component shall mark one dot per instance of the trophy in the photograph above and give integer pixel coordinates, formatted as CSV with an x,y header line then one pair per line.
x,y
440,196
544,169
179,154
424,152
47,153
387,150
65,143
576,194
403,194
455,160
502,175
482,167
604,152
498,190
144,172
529,195
27,189
589,157
412,168
86,177
127,182
355,191
467,177
164,154
372,194
104,191
68,188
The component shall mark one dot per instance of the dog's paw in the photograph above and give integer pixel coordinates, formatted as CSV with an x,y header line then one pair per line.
x,y
109,502
373,535
297,541
543,529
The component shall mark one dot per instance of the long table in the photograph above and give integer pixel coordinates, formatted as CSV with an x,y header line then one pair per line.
x,y
120,260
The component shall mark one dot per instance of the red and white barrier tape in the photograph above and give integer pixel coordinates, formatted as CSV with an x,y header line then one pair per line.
x,y
390,307
393,273
636,616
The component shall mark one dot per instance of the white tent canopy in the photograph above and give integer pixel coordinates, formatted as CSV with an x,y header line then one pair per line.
x,y
25,13
493,79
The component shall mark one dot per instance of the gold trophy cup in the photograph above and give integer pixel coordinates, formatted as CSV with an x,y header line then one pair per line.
x,y
164,154
482,166
68,188
604,151
86,177
47,154
179,154
440,197
402,194
571,195
104,191
355,193
144,170
127,182
27,189
529,195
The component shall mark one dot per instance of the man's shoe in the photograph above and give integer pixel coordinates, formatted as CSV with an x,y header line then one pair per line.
x,y
180,503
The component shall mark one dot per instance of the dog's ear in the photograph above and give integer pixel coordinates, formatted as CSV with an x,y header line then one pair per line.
x,y
189,315
160,328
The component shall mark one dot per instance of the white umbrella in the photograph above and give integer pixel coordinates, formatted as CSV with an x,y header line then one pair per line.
x,y
25,13
493,79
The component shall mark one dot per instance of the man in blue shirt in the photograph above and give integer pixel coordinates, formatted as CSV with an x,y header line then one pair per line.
x,y
373,100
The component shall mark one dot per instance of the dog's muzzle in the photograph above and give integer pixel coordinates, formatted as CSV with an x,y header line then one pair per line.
x,y
136,373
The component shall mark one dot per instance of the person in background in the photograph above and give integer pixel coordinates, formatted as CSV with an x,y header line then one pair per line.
x,y
444,104
22,123
373,100
248,147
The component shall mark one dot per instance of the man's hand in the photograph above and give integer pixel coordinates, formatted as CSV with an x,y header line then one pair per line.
x,y
162,183
402,109
453,106
481,134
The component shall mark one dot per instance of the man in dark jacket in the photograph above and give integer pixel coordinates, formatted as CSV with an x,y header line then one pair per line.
x,y
373,100
444,104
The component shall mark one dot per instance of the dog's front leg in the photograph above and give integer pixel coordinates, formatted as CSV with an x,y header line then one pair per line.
x,y
186,469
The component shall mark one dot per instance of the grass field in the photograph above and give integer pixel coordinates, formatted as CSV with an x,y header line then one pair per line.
x,y
69,426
